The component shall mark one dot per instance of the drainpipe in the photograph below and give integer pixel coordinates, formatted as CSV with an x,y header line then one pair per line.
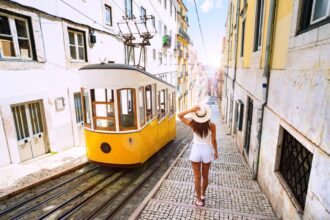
x,y
265,82
226,82
235,64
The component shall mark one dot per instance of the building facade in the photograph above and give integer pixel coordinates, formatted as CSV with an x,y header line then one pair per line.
x,y
42,45
182,47
275,99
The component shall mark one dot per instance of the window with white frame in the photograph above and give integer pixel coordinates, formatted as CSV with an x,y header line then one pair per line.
x,y
128,8
165,4
171,7
15,37
320,10
108,15
77,45
160,27
314,13
165,29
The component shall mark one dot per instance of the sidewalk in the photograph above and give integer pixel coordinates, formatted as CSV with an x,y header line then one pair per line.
x,y
232,193
16,177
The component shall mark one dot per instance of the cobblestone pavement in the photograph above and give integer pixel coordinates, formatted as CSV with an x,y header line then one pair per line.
x,y
232,193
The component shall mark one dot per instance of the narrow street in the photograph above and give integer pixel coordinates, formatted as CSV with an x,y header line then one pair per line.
x,y
232,193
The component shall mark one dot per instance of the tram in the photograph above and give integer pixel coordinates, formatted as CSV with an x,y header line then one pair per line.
x,y
128,114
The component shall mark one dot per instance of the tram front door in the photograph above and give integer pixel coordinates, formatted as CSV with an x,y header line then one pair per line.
x,y
30,130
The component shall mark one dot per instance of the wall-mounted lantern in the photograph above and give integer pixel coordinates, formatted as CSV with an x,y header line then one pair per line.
x,y
92,37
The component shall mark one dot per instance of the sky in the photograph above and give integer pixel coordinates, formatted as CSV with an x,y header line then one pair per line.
x,y
212,15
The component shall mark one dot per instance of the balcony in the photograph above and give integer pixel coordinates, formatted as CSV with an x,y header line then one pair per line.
x,y
167,41
183,34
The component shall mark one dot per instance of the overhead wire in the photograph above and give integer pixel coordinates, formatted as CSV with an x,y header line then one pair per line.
x,y
200,28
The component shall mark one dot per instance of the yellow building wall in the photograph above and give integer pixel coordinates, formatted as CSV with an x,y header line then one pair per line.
x,y
281,36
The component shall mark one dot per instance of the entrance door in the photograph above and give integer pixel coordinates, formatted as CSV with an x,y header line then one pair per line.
x,y
79,118
30,131
248,126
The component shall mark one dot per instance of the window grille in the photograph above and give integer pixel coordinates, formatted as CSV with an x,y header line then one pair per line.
x,y
295,167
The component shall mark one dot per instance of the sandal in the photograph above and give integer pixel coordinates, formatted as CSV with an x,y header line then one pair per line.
x,y
199,204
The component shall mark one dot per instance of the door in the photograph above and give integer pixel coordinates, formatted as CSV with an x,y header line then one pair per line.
x,y
79,125
30,131
248,126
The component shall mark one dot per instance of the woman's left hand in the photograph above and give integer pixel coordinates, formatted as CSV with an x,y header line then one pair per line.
x,y
216,156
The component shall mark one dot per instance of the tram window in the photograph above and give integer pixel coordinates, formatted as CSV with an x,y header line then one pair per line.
x,y
127,118
141,106
148,102
170,102
174,101
158,105
86,107
162,98
103,109
153,101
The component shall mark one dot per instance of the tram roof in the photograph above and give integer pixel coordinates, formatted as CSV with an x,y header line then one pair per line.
x,y
122,67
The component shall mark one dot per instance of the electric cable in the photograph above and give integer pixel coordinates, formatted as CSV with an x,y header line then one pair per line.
x,y
200,29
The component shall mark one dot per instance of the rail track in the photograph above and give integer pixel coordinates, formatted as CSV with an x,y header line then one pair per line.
x,y
94,192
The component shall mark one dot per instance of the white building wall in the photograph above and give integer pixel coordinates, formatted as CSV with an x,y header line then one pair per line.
x,y
52,74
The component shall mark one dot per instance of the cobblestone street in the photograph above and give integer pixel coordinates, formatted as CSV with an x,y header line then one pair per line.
x,y
232,193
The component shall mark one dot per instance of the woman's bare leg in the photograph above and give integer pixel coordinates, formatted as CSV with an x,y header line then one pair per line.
x,y
197,174
205,173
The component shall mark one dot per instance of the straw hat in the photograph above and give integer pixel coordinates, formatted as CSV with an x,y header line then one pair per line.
x,y
203,115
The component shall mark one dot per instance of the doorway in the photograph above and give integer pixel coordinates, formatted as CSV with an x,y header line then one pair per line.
x,y
248,126
30,130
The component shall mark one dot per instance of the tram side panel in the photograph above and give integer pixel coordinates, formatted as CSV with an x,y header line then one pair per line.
x,y
149,140
124,148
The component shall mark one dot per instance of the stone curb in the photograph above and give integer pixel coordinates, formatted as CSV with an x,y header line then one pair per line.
x,y
140,208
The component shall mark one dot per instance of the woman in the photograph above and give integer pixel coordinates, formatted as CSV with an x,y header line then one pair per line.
x,y
202,153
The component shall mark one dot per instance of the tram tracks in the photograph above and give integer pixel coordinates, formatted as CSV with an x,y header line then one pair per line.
x,y
93,191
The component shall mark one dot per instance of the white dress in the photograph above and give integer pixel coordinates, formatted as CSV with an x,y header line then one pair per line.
x,y
202,150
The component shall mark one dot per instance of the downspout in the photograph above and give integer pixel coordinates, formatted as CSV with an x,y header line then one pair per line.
x,y
265,82
235,64
226,82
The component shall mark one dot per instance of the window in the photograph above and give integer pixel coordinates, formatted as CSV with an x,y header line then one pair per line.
x,y
103,109
141,106
171,7
78,107
15,37
170,103
162,97
243,37
86,107
295,166
77,45
149,106
313,12
154,54
320,10
154,103
108,15
165,4
165,29
258,25
21,124
127,114
143,13
128,8
160,58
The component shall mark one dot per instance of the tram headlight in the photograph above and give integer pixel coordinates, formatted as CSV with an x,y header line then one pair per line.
x,y
105,147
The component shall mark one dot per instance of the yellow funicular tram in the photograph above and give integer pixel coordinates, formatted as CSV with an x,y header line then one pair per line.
x,y
129,114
